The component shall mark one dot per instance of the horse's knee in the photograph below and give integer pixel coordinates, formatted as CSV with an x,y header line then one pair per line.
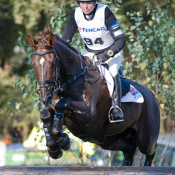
x,y
62,104
46,115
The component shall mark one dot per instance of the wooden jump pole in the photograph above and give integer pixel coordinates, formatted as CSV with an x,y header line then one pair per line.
x,y
68,170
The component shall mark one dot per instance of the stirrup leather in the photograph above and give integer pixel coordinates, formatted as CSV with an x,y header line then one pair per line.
x,y
109,115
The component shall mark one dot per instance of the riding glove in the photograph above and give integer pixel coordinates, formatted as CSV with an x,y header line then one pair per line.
x,y
103,57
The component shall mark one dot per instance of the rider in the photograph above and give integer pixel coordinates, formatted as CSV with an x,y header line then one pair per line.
x,y
103,37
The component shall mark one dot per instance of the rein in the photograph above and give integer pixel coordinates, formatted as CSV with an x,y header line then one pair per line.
x,y
58,87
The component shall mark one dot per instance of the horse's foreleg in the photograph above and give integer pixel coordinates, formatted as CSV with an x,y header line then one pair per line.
x,y
61,138
84,117
53,149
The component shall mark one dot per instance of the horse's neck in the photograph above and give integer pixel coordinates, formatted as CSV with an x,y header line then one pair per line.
x,y
57,38
69,59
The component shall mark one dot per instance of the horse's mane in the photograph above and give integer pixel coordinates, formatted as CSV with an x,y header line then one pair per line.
x,y
44,36
43,40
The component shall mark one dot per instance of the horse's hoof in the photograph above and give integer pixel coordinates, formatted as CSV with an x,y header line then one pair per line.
x,y
148,163
126,162
56,154
65,142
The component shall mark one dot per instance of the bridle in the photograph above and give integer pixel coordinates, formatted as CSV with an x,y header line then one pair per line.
x,y
42,84
58,87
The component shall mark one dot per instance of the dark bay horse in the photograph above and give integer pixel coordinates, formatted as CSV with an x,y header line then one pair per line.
x,y
74,94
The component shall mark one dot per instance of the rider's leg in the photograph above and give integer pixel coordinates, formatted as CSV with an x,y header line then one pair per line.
x,y
115,113
114,63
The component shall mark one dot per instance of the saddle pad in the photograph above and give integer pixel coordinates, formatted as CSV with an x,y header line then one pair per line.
x,y
132,96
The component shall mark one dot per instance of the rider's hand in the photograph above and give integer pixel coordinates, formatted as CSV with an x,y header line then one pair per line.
x,y
103,57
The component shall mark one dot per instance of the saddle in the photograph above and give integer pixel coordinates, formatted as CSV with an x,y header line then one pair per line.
x,y
129,92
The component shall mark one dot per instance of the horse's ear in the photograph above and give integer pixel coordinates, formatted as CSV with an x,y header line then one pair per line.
x,y
51,40
32,41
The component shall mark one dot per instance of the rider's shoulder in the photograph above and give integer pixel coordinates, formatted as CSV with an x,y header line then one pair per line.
x,y
102,6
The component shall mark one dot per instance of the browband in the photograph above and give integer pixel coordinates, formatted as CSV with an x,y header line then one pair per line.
x,y
43,53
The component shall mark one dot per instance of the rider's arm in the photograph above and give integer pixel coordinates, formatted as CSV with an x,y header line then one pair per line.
x,y
116,33
115,30
70,28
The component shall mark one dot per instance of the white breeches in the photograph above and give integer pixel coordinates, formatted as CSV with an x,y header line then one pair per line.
x,y
113,63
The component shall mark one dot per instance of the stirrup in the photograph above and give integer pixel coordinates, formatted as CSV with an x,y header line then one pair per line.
x,y
109,115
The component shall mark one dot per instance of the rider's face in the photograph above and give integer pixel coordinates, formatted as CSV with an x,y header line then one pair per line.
x,y
87,7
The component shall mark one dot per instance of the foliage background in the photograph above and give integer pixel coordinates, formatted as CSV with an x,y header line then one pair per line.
x,y
149,56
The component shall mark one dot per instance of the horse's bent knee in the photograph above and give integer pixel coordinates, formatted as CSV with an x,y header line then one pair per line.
x,y
46,116
62,104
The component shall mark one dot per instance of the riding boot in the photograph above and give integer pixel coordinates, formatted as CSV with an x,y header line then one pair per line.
x,y
115,113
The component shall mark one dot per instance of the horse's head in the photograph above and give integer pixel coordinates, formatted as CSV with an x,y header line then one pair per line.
x,y
53,60
44,64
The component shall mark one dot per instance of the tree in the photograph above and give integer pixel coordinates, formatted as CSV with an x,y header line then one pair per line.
x,y
16,109
9,31
152,45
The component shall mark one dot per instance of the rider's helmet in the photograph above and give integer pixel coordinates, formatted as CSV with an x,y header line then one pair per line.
x,y
91,15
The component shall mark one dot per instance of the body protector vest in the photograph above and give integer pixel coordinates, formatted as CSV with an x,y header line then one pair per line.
x,y
94,32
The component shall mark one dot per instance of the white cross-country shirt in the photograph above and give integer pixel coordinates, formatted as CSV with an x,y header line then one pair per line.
x,y
94,33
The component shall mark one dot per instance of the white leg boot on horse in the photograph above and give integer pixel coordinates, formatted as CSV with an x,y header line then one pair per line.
x,y
115,113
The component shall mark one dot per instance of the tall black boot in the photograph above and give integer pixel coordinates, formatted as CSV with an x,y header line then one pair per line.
x,y
115,113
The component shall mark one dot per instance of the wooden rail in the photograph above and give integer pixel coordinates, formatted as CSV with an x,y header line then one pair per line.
x,y
67,170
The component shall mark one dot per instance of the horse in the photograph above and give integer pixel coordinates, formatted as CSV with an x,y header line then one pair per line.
x,y
76,95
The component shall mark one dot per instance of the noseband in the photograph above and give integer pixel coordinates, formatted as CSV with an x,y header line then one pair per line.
x,y
57,85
